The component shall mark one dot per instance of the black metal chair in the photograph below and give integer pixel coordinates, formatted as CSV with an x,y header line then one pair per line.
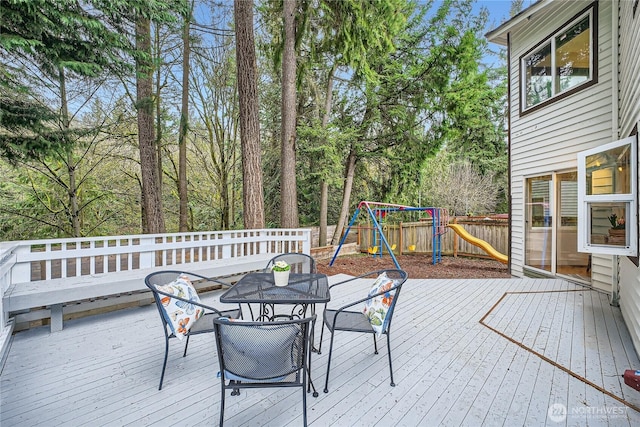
x,y
299,262
201,325
345,318
263,355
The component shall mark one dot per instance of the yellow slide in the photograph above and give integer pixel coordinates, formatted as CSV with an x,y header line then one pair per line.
x,y
485,246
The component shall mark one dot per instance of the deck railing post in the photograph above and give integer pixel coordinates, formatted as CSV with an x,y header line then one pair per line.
x,y
21,271
147,258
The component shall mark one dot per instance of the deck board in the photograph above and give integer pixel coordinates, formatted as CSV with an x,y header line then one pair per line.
x,y
449,368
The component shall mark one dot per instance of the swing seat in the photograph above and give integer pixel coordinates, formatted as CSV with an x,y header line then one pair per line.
x,y
412,248
372,251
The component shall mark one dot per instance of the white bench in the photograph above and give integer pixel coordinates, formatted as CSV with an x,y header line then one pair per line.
x,y
55,293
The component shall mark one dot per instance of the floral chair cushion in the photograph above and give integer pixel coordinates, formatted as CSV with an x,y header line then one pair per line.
x,y
180,315
376,309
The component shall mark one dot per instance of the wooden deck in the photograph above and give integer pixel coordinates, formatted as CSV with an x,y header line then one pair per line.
x,y
466,352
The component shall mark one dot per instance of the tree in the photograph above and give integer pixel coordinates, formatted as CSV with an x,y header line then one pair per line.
x,y
288,191
184,123
135,17
215,128
406,113
475,106
516,7
247,73
152,212
75,191
53,35
388,100
460,187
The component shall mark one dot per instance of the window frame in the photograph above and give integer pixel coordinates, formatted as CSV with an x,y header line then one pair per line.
x,y
630,200
592,11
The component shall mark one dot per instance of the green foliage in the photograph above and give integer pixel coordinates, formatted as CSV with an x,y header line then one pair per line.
x,y
360,31
84,39
410,94
59,34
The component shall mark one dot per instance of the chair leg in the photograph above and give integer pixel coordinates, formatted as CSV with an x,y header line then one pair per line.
x,y
222,406
164,364
235,391
186,345
304,403
390,365
326,382
321,334
375,345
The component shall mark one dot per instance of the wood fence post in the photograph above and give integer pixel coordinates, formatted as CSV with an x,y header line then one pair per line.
x,y
455,240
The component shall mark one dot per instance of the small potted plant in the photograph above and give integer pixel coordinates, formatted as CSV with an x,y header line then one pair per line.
x,y
281,272
617,232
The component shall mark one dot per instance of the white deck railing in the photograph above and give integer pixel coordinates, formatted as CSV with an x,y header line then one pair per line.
x,y
7,260
61,258
36,260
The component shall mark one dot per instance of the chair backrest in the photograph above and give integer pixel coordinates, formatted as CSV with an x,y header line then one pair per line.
x,y
399,277
299,262
163,278
262,351
160,278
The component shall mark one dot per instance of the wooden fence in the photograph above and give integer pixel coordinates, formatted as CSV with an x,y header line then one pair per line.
x,y
416,237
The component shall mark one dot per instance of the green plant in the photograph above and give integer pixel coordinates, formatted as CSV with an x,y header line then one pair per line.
x,y
281,266
616,223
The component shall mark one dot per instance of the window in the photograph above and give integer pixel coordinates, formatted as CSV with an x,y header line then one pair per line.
x,y
607,198
561,64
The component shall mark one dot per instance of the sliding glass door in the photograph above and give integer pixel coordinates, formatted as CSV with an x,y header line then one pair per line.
x,y
539,220
551,227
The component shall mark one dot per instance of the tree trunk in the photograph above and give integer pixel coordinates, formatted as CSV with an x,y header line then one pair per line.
x,y
225,201
324,201
288,191
324,186
152,201
158,105
72,191
184,126
233,191
350,171
252,194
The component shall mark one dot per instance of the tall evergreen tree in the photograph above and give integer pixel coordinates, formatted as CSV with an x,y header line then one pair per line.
x,y
184,121
53,35
288,190
249,120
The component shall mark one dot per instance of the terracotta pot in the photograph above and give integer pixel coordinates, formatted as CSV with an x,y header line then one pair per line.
x,y
617,236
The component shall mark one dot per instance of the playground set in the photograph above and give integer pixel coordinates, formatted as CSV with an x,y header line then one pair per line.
x,y
377,212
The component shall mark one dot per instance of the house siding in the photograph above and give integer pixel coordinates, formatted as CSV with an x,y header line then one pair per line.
x,y
629,115
629,68
547,140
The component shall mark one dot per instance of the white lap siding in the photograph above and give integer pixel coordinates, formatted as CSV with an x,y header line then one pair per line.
x,y
547,140
629,102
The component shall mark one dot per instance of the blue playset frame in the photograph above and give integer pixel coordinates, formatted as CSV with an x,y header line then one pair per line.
x,y
378,211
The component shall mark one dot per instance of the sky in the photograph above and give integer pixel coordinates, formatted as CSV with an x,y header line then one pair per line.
x,y
498,11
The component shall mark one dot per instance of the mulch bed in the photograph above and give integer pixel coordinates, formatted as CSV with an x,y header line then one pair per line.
x,y
417,266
